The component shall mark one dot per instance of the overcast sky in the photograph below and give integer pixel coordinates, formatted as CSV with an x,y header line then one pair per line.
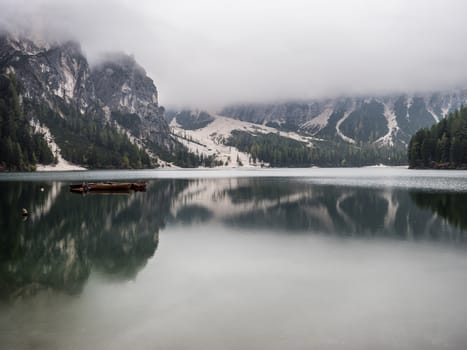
x,y
206,53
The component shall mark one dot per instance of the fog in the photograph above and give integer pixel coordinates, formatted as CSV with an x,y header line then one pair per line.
x,y
215,52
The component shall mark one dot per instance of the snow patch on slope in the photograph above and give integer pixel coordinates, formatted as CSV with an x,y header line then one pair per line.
x,y
409,105
338,125
320,121
433,114
211,139
445,110
391,118
62,164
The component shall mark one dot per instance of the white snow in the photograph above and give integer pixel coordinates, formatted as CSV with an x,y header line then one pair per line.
x,y
210,139
320,121
338,125
445,110
409,104
391,118
126,89
62,164
433,114
10,70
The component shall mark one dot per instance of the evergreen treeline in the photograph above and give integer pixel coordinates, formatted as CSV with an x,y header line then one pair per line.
x,y
276,150
131,122
186,159
444,145
20,149
90,142
280,151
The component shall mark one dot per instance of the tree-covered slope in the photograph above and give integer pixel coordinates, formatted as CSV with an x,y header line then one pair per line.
x,y
280,151
444,145
105,117
20,148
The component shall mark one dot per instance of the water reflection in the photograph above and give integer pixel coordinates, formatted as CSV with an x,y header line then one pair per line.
x,y
68,236
450,206
287,206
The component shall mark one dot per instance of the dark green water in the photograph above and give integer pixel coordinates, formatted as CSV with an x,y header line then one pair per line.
x,y
296,259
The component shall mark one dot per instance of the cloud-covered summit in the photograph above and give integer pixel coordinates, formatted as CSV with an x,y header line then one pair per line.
x,y
211,53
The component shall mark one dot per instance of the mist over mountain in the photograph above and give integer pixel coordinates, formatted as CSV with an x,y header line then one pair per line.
x,y
208,54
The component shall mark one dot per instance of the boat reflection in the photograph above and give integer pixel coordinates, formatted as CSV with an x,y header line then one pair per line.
x,y
66,236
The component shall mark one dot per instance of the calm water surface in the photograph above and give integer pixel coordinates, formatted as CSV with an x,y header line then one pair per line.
x,y
261,259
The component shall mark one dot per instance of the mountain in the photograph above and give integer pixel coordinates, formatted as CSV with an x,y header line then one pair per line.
x,y
105,116
57,108
350,131
131,98
385,120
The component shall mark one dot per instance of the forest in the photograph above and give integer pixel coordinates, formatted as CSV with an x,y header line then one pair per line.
x,y
281,151
90,142
20,149
443,146
87,140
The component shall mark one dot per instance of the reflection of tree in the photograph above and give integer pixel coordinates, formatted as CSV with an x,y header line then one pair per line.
x,y
338,210
450,206
115,234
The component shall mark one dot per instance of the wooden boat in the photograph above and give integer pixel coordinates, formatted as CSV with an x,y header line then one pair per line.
x,y
107,187
138,186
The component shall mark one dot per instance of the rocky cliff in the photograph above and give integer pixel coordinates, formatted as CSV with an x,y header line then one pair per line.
x,y
131,97
56,78
48,72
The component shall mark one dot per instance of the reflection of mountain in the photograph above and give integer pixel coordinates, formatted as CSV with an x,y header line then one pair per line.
x,y
274,204
68,235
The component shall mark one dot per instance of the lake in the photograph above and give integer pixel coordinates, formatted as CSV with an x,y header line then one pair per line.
x,y
370,258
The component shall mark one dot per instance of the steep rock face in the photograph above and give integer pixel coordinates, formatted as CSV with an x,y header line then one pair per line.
x,y
48,72
125,89
385,119
122,84
59,76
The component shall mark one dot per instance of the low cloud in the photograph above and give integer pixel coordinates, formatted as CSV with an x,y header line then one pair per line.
x,y
210,53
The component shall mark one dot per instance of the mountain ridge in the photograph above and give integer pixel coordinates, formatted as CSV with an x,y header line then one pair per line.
x,y
85,111
56,78
401,115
